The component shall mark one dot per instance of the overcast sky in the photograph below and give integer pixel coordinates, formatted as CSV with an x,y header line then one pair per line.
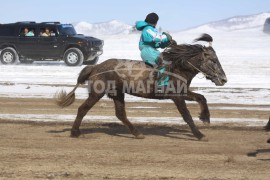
x,y
174,14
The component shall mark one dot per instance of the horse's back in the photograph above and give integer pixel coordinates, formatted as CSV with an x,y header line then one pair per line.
x,y
113,62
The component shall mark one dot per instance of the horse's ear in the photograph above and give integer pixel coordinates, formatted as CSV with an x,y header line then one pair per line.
x,y
205,52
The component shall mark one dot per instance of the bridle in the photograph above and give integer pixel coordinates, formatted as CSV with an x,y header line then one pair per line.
x,y
188,61
202,71
195,66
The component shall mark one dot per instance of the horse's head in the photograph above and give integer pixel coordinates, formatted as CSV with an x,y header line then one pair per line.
x,y
210,64
211,67
196,58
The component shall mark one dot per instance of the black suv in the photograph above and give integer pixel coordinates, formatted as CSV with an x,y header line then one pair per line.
x,y
30,41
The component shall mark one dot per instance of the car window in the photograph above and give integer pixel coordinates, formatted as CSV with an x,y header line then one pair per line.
x,y
67,29
27,32
48,32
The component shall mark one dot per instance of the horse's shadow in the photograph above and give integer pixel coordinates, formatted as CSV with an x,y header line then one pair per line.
x,y
119,130
259,151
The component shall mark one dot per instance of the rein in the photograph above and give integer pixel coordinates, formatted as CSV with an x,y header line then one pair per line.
x,y
205,75
196,68
203,72
168,63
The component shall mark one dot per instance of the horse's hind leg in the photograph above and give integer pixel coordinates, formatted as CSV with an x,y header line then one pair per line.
x,y
121,114
82,111
204,114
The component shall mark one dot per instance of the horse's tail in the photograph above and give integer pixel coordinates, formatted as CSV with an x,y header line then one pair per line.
x,y
63,99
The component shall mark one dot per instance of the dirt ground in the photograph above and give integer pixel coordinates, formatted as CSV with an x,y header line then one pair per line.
x,y
44,150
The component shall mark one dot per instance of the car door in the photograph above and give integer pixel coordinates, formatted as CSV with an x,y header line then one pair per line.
x,y
27,44
48,43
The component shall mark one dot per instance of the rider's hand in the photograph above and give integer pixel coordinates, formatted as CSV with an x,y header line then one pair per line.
x,y
170,39
168,36
173,42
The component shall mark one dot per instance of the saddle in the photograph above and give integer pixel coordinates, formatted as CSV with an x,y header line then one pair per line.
x,y
161,64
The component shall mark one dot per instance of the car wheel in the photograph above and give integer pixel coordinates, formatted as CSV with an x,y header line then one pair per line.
x,y
9,56
73,57
92,62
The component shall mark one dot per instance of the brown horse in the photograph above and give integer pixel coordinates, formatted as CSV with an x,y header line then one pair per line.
x,y
115,77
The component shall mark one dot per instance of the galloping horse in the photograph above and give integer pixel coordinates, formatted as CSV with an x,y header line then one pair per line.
x,y
115,77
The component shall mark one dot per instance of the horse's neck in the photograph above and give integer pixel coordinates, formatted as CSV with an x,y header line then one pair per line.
x,y
185,73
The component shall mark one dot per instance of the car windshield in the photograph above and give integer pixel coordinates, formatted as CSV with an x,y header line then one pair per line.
x,y
67,29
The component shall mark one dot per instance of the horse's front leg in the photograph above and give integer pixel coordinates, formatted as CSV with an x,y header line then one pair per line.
x,y
204,114
182,108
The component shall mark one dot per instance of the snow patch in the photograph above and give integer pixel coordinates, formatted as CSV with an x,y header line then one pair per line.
x,y
235,23
161,120
113,27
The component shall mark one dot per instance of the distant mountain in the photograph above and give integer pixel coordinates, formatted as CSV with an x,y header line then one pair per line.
x,y
116,27
105,28
236,23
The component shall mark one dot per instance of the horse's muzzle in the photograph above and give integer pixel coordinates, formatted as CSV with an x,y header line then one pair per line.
x,y
221,81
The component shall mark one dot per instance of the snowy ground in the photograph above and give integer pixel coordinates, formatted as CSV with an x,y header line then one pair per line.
x,y
159,120
244,55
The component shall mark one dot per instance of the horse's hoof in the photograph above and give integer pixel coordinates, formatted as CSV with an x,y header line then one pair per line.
x,y
140,136
137,134
205,119
75,133
206,123
204,139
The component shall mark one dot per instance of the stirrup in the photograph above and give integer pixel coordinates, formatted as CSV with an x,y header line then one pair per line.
x,y
161,89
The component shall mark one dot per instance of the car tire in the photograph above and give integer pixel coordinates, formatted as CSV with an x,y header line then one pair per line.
x,y
73,57
9,56
92,62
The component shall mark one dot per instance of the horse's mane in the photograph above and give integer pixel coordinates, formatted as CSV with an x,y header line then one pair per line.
x,y
181,53
178,54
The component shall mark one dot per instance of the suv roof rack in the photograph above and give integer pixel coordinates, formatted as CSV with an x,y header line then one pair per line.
x,y
50,23
26,22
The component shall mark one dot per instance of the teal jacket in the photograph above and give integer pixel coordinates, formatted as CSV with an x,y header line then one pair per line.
x,y
150,36
149,42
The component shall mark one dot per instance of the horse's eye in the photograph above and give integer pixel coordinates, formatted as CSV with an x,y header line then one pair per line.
x,y
206,55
